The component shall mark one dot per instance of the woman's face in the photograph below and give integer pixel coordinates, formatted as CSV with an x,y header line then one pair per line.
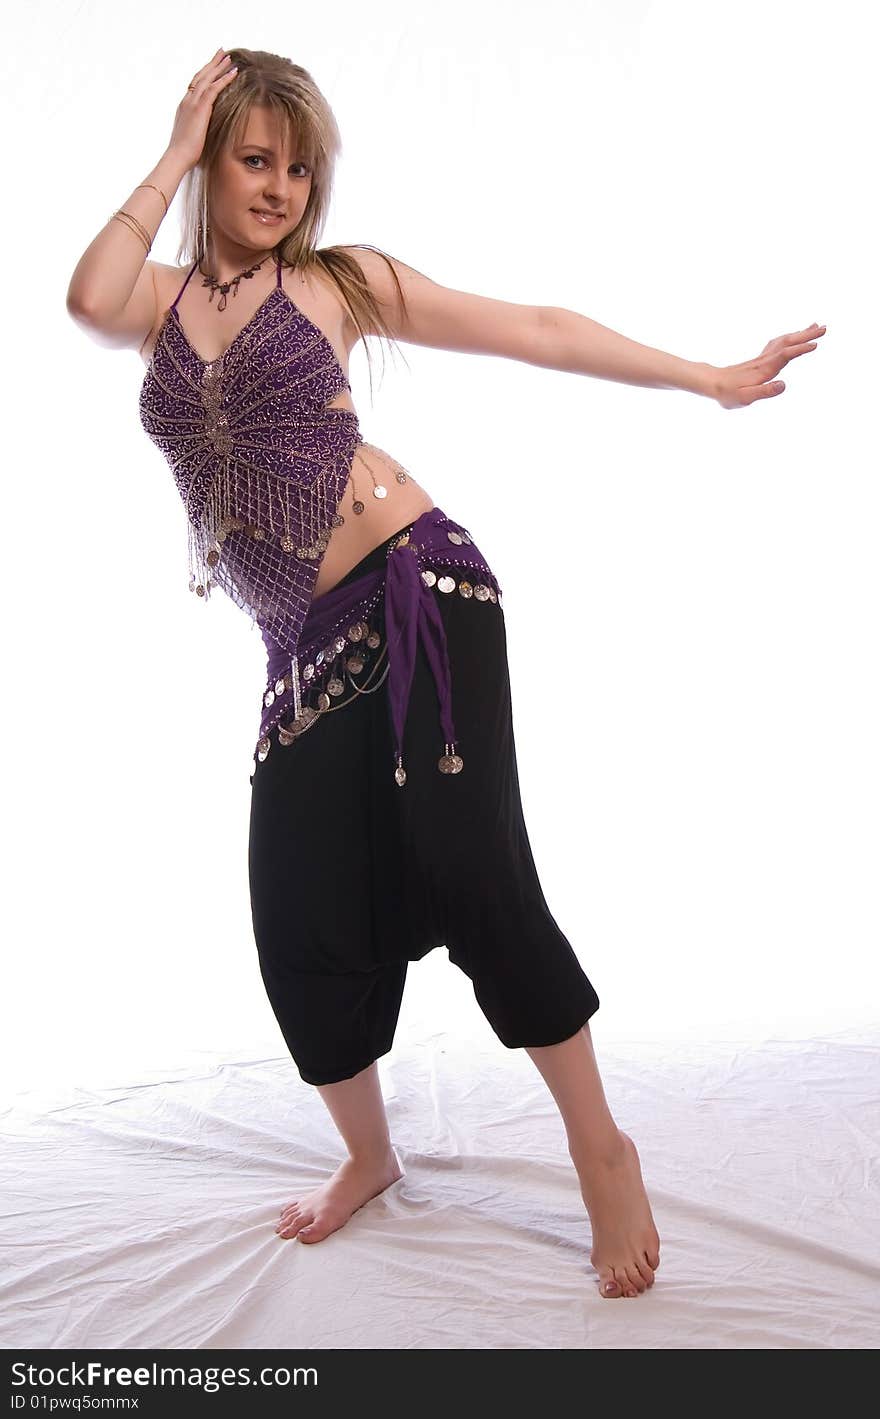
x,y
255,174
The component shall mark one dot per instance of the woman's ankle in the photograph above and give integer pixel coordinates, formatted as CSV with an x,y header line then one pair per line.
x,y
373,1154
604,1143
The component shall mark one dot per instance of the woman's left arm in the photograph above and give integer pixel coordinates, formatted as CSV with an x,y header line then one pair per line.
x,y
561,339
574,342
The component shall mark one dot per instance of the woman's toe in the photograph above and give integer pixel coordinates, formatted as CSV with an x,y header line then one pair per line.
x,y
608,1284
645,1271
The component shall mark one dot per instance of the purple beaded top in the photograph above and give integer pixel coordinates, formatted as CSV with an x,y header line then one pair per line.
x,y
258,458
261,463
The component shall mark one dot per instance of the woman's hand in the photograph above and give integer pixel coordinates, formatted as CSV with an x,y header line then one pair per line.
x,y
194,111
735,386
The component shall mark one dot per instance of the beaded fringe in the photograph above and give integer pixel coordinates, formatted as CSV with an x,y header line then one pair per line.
x,y
255,505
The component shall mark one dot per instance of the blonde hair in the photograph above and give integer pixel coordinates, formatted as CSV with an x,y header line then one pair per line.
x,y
291,95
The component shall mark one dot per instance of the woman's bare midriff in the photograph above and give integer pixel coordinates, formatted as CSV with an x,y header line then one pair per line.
x,y
210,332
381,517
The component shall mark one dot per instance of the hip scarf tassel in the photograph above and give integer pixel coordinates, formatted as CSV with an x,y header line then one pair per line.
x,y
410,612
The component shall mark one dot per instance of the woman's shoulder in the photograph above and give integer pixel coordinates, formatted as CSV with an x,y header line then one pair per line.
x,y
168,280
376,267
384,276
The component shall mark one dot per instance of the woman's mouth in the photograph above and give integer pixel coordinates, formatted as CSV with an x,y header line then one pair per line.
x,y
269,219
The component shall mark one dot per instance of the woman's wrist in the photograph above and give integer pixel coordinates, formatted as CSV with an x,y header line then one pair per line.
x,y
173,167
704,379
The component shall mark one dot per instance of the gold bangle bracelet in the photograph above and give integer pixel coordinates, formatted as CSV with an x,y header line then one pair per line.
x,y
139,224
126,221
156,189
122,217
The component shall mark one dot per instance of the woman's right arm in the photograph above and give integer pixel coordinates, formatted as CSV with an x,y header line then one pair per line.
x,y
112,292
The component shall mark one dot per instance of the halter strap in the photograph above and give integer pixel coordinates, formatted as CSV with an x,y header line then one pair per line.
x,y
279,271
184,286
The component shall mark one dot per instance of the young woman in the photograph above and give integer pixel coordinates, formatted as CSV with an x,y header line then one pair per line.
x,y
393,825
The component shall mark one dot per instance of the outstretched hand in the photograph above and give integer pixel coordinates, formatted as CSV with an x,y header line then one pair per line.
x,y
735,386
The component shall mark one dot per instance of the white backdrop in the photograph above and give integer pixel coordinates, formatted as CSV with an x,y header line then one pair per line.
x,y
700,766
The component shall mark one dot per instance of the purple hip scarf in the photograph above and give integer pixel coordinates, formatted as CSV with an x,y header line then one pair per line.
x,y
341,644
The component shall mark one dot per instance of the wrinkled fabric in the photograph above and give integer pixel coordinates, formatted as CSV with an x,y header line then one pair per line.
x,y
141,1210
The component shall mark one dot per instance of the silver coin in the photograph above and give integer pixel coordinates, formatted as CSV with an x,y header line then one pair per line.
x,y
446,583
339,643
450,763
308,671
379,491
481,592
429,577
280,687
465,588
323,700
335,686
454,537
269,698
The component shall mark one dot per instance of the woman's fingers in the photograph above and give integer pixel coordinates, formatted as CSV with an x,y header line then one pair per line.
x,y
779,358
785,343
748,394
812,333
228,71
798,335
213,62
210,64
801,350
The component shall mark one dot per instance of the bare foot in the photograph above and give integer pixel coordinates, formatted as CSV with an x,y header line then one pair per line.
x,y
326,1209
626,1245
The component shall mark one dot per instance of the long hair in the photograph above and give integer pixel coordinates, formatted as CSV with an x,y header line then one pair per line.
x,y
294,99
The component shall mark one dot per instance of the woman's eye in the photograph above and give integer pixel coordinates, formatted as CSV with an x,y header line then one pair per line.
x,y
255,157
